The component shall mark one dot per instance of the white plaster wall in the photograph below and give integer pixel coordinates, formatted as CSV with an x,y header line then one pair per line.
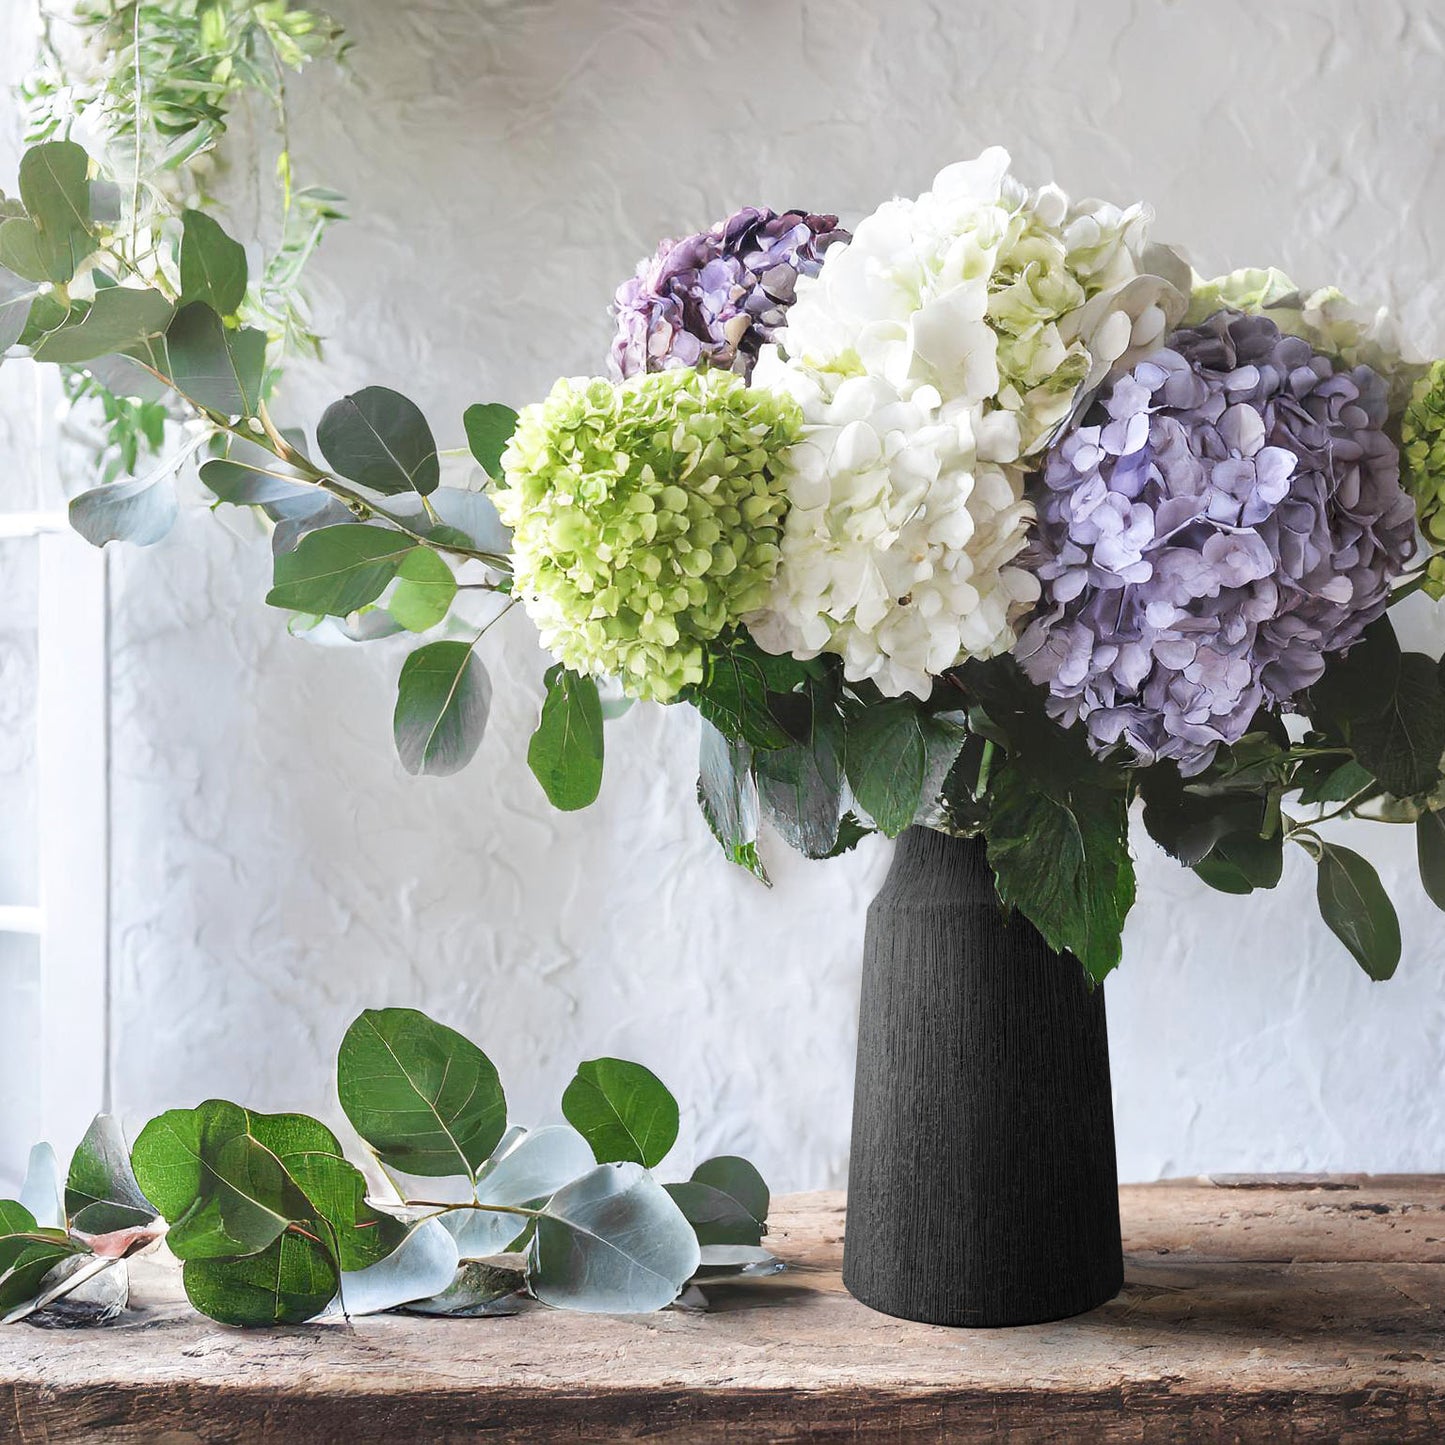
x,y
506,163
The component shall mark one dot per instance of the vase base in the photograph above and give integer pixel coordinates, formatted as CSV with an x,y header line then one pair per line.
x,y
955,1315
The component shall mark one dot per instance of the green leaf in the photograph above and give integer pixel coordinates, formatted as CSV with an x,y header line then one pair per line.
x,y
1329,782
219,369
425,589
50,242
119,318
612,1242
443,698
1430,852
243,485
1243,862
623,1110
1389,707
897,757
735,698
1190,825
489,428
728,797
335,570
335,1189
288,1283
725,1201
565,754
101,1192
1061,856
222,1192
213,266
426,1099
380,439
28,1253
1354,903
139,510
801,785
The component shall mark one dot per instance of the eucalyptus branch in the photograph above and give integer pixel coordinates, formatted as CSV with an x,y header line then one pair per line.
x,y
1339,812
442,1207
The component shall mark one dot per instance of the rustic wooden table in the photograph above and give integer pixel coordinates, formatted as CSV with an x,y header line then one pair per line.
x,y
1281,1310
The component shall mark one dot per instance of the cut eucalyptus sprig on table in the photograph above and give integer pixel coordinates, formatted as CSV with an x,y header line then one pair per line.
x,y
274,1225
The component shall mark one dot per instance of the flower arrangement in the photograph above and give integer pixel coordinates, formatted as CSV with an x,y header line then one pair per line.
x,y
989,515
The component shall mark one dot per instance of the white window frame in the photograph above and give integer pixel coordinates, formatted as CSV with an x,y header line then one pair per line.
x,y
71,916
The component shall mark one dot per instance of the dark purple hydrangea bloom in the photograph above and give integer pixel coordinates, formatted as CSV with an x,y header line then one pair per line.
x,y
717,297
1228,512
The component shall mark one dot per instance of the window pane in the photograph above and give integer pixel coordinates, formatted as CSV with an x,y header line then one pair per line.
x,y
19,882
20,1058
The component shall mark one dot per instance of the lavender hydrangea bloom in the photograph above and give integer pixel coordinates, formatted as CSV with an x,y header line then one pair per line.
x,y
719,296
1229,512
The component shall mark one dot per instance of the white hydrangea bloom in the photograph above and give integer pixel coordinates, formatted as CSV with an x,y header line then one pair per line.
x,y
932,355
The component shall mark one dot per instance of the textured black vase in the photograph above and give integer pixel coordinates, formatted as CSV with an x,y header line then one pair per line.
x,y
982,1188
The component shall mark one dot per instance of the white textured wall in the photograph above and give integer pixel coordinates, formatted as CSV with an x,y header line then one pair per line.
x,y
506,162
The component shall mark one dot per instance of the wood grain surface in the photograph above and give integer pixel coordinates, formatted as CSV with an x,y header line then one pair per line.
x,y
1288,1310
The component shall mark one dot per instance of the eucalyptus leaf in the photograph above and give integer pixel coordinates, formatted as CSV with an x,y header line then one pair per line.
x,y
443,698
738,1179
101,1192
42,1192
213,266
423,1265
427,1100
612,1242
140,510
475,515
335,570
291,1281
425,589
526,1170
119,318
1354,904
219,369
1430,854
727,793
16,296
222,1193
380,439
623,1110
334,1189
566,751
489,428
54,237
28,1253
481,1289
244,485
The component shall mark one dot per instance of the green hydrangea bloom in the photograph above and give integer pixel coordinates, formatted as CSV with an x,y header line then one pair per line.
x,y
1422,465
646,518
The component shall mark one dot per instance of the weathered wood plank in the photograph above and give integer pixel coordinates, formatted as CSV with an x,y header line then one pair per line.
x,y
1280,1314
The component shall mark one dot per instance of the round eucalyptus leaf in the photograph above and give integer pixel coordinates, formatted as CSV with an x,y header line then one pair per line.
x,y
489,428
443,698
1430,854
423,1264
213,266
335,570
425,588
288,1283
119,318
566,751
427,1100
141,510
612,1242
623,1110
380,439
101,1192
41,1192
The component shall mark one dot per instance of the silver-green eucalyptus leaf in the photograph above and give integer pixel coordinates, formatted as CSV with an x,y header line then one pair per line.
x,y
612,1242
423,1265
42,1193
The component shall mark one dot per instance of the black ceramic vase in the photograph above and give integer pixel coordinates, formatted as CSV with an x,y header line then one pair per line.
x,y
982,1188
